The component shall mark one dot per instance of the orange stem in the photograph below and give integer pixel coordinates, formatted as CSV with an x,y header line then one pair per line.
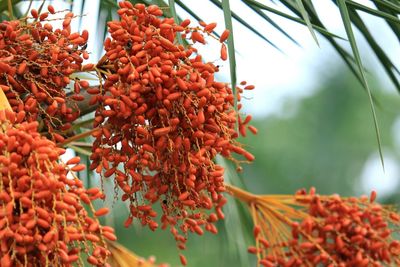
x,y
241,194
77,137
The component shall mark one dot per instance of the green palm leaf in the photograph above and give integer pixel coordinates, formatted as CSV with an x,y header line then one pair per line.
x,y
306,18
347,23
261,6
243,22
231,46
272,22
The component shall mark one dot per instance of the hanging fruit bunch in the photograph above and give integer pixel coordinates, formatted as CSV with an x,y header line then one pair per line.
x,y
163,118
313,230
36,62
43,221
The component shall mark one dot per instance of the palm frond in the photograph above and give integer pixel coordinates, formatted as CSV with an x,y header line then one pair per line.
x,y
244,23
271,21
387,64
306,18
321,30
392,9
306,14
378,13
231,46
347,23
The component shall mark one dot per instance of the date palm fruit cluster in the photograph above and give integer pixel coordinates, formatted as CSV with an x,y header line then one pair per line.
x,y
326,231
43,221
36,62
163,118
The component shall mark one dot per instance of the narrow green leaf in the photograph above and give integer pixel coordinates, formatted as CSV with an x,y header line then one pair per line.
x,y
188,10
41,6
348,59
298,20
89,173
10,9
175,16
111,3
394,7
191,13
231,47
80,19
387,64
242,21
29,8
394,26
309,7
347,25
273,23
374,12
306,18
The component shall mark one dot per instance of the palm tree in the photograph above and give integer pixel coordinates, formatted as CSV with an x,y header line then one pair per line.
x,y
277,211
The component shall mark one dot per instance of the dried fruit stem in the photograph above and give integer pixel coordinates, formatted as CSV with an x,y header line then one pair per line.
x,y
10,11
241,194
77,137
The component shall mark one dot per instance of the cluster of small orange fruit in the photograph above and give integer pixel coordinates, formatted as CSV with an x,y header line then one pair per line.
x,y
163,119
43,220
335,231
36,62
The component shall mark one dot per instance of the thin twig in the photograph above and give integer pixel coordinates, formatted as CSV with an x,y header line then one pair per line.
x,y
10,10
29,8
81,144
241,194
77,137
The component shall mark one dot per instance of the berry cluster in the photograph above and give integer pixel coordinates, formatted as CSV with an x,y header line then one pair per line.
x,y
35,67
335,232
42,218
163,118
